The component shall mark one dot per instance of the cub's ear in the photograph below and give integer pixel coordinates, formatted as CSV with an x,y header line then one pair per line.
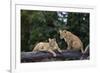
x,y
60,30
49,39
65,31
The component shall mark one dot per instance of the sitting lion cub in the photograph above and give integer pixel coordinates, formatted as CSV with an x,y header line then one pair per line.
x,y
47,46
72,40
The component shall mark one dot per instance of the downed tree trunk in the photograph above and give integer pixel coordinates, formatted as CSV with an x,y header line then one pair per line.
x,y
42,56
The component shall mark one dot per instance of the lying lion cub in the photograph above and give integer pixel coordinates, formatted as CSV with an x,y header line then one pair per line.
x,y
73,42
47,46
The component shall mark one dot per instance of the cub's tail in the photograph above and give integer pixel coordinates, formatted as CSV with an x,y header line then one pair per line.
x,y
86,49
86,52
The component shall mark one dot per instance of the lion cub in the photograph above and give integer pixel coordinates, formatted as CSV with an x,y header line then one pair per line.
x,y
72,40
48,46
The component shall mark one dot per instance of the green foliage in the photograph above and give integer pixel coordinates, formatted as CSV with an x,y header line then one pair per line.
x,y
37,26
78,23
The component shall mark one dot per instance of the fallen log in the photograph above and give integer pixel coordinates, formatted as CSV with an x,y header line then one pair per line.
x,y
38,56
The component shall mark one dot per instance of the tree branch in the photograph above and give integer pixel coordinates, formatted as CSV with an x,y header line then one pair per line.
x,y
46,56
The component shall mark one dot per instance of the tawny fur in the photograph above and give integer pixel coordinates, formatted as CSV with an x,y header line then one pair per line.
x,y
73,42
47,46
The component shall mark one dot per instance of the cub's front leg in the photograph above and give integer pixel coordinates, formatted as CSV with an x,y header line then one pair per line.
x,y
51,51
69,44
59,50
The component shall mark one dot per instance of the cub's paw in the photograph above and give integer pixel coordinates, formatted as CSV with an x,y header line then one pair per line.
x,y
54,55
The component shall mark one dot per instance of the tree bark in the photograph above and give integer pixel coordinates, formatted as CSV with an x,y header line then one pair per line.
x,y
46,56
